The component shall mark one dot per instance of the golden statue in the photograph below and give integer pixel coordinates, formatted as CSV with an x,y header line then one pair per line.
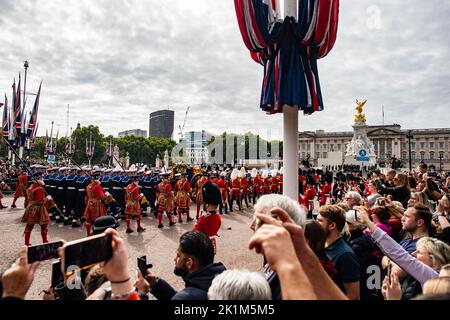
x,y
360,117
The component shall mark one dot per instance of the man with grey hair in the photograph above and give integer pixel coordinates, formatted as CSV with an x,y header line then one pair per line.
x,y
353,199
266,203
295,211
239,285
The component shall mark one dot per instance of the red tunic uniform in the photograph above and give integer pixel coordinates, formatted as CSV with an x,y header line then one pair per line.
x,y
266,186
209,223
280,184
182,192
132,198
22,184
274,185
198,190
235,188
94,202
308,199
165,197
256,185
223,186
245,186
35,212
326,191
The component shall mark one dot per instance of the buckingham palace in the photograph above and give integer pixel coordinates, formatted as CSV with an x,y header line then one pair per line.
x,y
431,146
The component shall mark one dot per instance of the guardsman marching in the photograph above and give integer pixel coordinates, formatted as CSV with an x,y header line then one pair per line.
x,y
310,194
256,183
59,192
245,185
235,194
94,202
210,222
164,195
71,196
223,186
274,182
280,181
183,198
325,193
265,189
21,188
133,204
198,192
36,212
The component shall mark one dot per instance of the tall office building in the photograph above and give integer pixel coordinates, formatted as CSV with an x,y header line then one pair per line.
x,y
162,124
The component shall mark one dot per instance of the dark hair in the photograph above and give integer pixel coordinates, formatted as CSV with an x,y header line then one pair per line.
x,y
423,212
334,214
198,245
382,213
412,182
423,165
316,236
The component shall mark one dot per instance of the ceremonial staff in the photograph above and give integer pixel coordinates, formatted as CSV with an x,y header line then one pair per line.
x,y
71,159
118,162
23,163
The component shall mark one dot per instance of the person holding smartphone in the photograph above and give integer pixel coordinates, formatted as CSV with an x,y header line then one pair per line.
x,y
36,211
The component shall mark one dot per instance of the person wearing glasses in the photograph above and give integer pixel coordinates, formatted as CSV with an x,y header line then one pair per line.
x,y
401,192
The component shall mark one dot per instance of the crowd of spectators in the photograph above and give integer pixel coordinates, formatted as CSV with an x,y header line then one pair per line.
x,y
373,237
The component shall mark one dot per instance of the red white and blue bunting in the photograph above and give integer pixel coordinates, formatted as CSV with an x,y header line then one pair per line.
x,y
289,49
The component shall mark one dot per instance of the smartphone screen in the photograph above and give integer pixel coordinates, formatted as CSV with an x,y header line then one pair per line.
x,y
44,251
57,276
87,252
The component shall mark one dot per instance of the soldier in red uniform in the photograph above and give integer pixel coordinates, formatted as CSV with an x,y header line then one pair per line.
x,y
274,182
245,185
326,190
210,222
36,212
280,181
235,186
256,184
198,192
95,207
133,204
183,198
310,194
164,196
265,188
21,189
223,186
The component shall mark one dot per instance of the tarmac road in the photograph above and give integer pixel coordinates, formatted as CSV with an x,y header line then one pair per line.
x,y
158,244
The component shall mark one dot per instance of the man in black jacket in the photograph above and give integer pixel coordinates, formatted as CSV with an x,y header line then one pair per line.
x,y
194,262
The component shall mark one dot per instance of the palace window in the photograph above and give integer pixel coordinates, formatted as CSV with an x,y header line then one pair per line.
x,y
404,154
413,155
431,145
431,155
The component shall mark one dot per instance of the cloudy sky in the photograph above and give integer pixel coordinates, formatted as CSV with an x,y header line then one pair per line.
x,y
115,61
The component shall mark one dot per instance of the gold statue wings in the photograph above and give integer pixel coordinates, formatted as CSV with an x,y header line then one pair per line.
x,y
360,117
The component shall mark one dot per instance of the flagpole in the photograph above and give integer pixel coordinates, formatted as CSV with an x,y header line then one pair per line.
x,y
25,65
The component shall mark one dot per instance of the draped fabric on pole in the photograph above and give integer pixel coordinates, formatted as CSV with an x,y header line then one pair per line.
x,y
289,49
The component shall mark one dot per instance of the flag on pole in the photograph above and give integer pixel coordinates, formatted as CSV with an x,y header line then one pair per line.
x,y
34,113
17,110
5,123
47,144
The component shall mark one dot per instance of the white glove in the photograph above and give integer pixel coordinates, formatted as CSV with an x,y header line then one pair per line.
x,y
141,195
49,197
107,194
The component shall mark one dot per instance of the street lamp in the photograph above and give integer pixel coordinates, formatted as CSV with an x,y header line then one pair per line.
x,y
410,136
441,156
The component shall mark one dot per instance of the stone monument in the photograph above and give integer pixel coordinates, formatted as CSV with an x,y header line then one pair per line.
x,y
166,159
158,162
116,155
360,151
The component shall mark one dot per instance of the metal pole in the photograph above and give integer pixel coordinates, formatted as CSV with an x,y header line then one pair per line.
x,y
25,65
409,136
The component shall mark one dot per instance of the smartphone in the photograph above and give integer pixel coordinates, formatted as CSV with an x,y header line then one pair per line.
x,y
356,215
381,202
43,252
143,266
57,275
389,271
87,252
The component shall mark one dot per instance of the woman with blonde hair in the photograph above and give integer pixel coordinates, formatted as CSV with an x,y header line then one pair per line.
x,y
418,197
401,192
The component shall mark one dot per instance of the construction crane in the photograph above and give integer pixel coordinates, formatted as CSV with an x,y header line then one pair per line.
x,y
181,133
